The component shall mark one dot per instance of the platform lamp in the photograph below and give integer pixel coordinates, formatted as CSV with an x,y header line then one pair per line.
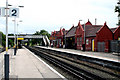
x,y
14,35
6,56
15,45
84,36
17,30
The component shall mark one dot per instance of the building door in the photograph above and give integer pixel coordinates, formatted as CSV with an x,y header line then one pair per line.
x,y
101,46
93,44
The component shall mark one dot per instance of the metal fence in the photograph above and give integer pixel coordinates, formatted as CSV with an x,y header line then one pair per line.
x,y
1,57
115,46
0,39
101,46
1,65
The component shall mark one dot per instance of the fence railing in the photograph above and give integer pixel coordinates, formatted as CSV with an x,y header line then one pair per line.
x,y
1,65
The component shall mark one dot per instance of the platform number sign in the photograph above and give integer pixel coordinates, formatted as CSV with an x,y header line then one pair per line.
x,y
14,12
2,11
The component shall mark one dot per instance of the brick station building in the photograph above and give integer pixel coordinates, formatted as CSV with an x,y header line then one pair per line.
x,y
115,43
117,33
95,37
70,38
57,38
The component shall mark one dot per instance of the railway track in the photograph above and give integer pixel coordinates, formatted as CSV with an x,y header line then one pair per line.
x,y
78,69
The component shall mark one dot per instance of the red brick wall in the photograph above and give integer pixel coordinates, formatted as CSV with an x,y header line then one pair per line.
x,y
79,33
104,35
80,45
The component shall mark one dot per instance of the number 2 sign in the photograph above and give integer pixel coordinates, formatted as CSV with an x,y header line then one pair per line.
x,y
14,12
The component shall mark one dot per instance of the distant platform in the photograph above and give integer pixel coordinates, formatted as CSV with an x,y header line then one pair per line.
x,y
99,55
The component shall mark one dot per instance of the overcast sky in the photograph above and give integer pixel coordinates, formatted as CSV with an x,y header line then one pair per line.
x,y
53,14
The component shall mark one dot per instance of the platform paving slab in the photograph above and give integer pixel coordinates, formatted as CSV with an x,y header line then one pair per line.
x,y
2,63
25,65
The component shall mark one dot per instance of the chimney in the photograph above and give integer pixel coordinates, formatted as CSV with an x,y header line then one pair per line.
x,y
95,21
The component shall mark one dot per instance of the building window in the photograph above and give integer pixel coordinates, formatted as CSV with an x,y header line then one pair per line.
x,y
80,40
87,41
77,41
59,41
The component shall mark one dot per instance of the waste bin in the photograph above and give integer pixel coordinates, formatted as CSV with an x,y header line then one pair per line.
x,y
83,46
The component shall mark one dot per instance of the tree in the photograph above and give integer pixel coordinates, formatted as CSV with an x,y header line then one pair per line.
x,y
3,38
117,9
44,32
11,41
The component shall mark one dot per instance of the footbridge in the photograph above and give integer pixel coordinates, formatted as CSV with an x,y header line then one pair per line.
x,y
24,37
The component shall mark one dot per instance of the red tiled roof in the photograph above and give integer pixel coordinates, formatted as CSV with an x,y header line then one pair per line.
x,y
59,33
71,32
91,30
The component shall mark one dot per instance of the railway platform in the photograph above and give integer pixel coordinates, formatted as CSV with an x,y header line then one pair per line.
x,y
99,55
27,65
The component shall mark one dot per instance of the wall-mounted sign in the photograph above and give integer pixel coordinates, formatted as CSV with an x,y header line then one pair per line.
x,y
14,12
119,38
2,11
20,38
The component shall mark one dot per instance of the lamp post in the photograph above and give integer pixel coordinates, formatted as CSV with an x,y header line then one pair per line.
x,y
6,56
14,36
17,30
84,36
15,45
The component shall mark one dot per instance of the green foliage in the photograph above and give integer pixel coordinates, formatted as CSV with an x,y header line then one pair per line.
x,y
3,39
42,32
10,41
10,34
117,9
